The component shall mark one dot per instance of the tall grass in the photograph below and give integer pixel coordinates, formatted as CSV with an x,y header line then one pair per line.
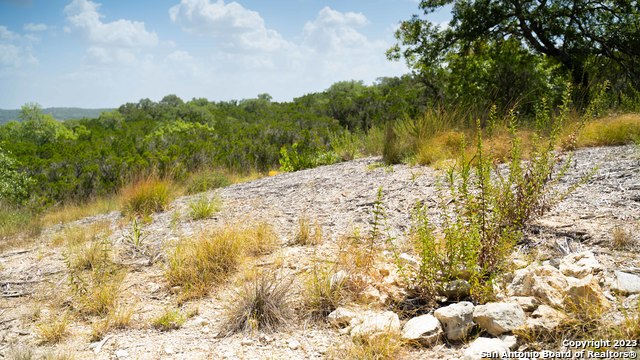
x,y
197,264
262,304
146,196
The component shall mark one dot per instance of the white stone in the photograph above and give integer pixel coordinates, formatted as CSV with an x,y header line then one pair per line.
x,y
586,291
485,346
122,354
527,303
424,329
510,340
580,264
545,318
377,324
341,317
293,344
499,318
407,260
626,283
456,320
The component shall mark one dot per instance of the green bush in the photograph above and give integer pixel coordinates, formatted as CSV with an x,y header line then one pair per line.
x,y
484,211
299,158
207,180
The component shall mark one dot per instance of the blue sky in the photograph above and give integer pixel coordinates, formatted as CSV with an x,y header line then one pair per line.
x,y
103,53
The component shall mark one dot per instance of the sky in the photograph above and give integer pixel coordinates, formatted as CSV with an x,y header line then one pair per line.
x,y
104,53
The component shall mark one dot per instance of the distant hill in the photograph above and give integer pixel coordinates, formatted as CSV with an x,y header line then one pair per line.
x,y
59,113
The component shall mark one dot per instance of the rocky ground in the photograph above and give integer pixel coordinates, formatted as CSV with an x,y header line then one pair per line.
x,y
572,247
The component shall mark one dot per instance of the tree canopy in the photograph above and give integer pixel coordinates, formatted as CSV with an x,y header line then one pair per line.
x,y
583,36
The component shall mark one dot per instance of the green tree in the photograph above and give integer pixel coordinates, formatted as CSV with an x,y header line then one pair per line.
x,y
41,128
14,184
575,33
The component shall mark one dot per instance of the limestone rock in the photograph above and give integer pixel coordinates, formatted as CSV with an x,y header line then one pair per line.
x,y
586,291
499,318
510,340
377,324
456,320
341,317
457,289
493,347
527,303
626,283
545,282
580,264
545,318
424,329
407,260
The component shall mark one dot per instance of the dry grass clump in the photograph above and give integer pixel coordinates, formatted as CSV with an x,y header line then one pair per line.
x,y
78,235
261,304
71,212
381,347
94,279
305,235
145,197
170,319
622,238
119,318
323,291
442,146
619,130
54,329
203,207
258,239
196,264
16,221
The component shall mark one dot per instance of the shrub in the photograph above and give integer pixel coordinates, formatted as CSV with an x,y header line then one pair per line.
x,y
170,319
298,158
262,304
203,208
373,141
146,197
346,145
485,211
207,180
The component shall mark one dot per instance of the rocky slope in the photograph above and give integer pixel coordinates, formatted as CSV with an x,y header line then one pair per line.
x,y
340,198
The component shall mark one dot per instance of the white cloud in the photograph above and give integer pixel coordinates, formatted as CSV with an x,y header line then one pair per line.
x,y
15,49
333,30
230,24
35,27
7,35
83,15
